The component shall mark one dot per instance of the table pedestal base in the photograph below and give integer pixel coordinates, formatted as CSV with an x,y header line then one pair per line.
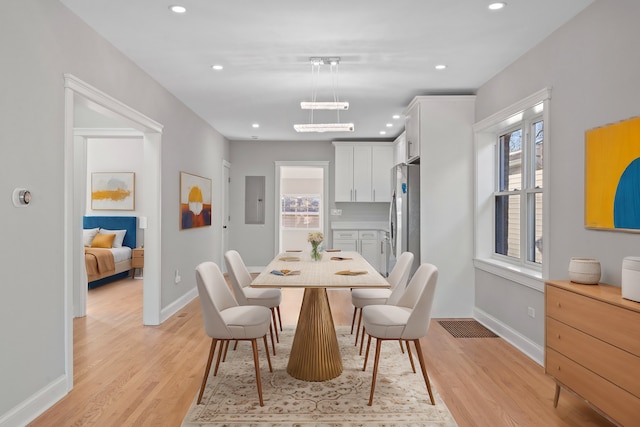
x,y
315,355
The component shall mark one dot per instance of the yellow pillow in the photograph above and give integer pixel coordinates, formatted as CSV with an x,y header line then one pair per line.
x,y
103,241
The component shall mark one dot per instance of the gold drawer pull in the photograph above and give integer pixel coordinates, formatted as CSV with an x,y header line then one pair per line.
x,y
559,305
558,336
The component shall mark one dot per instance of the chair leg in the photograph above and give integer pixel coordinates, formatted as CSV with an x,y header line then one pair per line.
x,y
206,370
353,321
375,370
416,342
220,348
358,330
266,348
275,324
256,362
366,357
401,346
226,349
279,317
273,344
361,341
235,345
413,366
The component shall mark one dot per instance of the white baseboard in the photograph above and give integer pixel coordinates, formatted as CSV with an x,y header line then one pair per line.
x,y
35,405
519,341
178,304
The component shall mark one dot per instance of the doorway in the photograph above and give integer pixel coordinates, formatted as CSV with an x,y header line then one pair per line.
x,y
78,93
302,190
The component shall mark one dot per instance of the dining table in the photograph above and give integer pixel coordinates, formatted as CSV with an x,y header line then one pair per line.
x,y
315,354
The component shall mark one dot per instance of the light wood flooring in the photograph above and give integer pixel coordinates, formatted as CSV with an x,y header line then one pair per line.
x,y
127,374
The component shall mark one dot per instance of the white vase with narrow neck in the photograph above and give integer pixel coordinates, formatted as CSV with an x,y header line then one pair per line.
x,y
585,271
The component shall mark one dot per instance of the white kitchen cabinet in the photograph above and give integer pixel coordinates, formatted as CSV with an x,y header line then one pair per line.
x,y
365,242
412,131
362,172
345,240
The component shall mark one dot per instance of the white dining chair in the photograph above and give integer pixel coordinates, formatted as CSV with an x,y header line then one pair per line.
x,y
241,279
406,320
397,279
225,320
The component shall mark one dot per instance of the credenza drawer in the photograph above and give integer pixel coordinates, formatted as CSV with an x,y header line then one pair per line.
x,y
620,405
613,324
616,365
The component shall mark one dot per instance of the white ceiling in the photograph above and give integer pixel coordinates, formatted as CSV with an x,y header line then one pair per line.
x,y
388,51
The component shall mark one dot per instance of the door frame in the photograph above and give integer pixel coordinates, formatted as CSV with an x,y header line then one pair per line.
x,y
224,209
77,91
325,197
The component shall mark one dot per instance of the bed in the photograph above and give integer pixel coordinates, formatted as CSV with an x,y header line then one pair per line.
x,y
105,265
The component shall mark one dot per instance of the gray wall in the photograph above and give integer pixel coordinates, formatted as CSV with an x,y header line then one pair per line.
x,y
592,66
256,243
40,40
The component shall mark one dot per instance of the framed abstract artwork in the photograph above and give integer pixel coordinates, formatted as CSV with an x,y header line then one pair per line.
x,y
612,176
195,201
113,191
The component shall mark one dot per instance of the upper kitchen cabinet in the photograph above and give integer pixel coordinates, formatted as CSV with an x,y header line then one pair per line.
x,y
362,171
412,130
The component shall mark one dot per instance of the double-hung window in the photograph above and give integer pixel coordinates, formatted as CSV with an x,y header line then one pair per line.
x,y
301,211
510,199
519,187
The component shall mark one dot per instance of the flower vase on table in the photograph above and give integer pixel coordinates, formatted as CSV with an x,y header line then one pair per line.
x,y
316,239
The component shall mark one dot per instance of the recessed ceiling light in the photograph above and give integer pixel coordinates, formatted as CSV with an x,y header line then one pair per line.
x,y
217,67
440,67
389,125
177,9
255,125
497,5
396,116
382,132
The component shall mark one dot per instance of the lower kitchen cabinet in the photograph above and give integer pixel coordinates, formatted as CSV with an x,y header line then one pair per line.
x,y
365,242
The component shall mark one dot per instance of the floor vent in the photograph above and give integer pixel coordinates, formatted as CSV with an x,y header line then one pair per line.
x,y
466,329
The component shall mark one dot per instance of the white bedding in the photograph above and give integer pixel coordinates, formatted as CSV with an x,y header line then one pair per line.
x,y
121,254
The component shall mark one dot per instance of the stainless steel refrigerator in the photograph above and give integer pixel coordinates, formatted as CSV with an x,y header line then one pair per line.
x,y
404,214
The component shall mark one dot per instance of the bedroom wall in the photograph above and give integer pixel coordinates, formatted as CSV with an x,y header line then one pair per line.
x,y
591,66
41,40
117,155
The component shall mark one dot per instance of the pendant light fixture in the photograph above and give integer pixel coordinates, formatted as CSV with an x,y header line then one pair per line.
x,y
316,64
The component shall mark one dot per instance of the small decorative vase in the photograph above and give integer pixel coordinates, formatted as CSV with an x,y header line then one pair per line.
x,y
316,255
584,270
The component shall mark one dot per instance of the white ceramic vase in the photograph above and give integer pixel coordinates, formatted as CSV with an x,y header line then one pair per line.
x,y
584,270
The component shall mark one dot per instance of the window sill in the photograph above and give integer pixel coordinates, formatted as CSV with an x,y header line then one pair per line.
x,y
528,277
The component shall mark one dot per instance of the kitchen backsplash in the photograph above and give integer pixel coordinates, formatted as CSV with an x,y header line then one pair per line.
x,y
361,212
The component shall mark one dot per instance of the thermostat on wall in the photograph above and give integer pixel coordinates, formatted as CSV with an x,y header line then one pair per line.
x,y
21,197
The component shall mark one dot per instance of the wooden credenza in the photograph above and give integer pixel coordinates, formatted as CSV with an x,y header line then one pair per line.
x,y
592,338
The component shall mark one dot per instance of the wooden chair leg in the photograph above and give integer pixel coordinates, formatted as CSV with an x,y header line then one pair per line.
x,y
416,342
275,325
206,370
266,348
273,344
235,345
401,346
279,317
226,348
358,330
256,362
361,341
375,370
557,396
413,366
366,357
220,348
353,321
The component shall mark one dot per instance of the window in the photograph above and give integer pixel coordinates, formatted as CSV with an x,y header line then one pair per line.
x,y
519,187
510,199
301,211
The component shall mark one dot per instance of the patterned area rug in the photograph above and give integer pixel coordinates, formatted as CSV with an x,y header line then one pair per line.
x,y
400,399
466,329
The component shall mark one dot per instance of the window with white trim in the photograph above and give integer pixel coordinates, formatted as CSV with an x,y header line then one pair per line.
x,y
519,186
510,198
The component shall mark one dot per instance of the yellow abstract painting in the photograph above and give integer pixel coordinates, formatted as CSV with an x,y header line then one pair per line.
x,y
612,176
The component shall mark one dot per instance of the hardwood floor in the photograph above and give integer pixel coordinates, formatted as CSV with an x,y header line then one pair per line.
x,y
127,374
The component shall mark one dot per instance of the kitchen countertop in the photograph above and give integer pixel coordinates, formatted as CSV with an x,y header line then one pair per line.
x,y
360,225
